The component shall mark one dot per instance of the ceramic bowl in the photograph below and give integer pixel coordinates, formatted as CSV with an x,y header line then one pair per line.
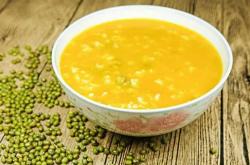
x,y
143,122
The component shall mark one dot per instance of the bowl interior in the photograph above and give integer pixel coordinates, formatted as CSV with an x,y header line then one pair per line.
x,y
145,11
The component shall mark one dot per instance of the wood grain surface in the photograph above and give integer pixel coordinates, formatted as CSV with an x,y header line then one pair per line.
x,y
224,127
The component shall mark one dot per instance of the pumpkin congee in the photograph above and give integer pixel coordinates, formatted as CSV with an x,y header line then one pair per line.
x,y
140,64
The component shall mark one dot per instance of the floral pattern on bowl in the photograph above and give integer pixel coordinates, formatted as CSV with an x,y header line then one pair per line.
x,y
155,124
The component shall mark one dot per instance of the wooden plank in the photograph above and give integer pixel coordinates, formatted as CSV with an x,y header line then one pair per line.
x,y
3,5
34,22
187,5
24,22
236,102
89,6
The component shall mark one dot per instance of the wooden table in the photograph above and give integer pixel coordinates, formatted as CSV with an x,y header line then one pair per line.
x,y
225,126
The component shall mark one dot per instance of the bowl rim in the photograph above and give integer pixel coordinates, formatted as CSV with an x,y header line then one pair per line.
x,y
149,110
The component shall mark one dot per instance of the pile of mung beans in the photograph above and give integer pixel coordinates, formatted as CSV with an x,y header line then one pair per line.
x,y
30,137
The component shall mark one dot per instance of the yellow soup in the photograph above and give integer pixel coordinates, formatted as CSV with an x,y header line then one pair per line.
x,y
140,64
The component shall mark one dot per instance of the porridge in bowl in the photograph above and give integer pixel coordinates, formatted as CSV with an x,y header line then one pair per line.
x,y
140,64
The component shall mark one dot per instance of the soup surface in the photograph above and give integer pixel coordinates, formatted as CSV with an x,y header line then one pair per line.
x,y
140,64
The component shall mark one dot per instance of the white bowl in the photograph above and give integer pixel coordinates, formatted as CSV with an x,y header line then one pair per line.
x,y
143,122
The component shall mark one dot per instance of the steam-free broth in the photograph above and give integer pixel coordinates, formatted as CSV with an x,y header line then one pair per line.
x,y
140,64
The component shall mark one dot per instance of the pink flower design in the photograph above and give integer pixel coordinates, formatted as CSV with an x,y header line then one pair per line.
x,y
166,122
130,125
157,124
